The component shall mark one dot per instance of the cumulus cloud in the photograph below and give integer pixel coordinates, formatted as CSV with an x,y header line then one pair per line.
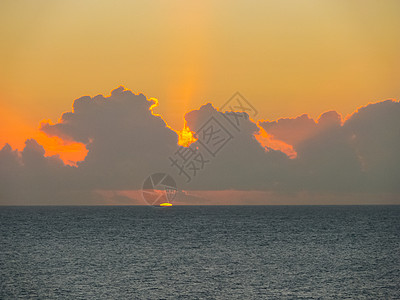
x,y
374,134
126,142
358,154
28,177
242,163
293,131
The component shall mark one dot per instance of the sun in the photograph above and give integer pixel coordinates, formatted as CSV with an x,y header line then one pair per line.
x,y
166,204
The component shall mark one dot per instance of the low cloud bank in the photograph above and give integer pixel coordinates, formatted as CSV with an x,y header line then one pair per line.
x,y
356,158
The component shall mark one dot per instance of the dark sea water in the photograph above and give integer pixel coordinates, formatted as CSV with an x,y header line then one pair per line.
x,y
231,252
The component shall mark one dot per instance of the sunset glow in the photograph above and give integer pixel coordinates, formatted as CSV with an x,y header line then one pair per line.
x,y
212,149
117,91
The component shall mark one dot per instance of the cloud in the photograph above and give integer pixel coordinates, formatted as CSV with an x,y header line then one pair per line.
x,y
327,158
294,131
125,139
374,134
242,163
358,154
28,177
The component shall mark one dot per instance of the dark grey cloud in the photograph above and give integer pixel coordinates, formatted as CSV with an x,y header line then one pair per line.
x,y
126,141
374,134
358,154
28,177
242,163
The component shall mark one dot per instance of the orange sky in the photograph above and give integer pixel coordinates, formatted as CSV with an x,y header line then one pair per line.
x,y
285,57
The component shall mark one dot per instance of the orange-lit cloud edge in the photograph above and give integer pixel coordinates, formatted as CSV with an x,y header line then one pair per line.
x,y
72,152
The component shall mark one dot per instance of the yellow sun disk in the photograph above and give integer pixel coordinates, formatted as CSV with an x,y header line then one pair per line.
x,y
166,204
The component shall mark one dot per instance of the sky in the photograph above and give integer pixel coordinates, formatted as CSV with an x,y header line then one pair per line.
x,y
287,58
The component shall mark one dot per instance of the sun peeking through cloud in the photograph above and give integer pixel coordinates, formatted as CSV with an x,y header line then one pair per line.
x,y
185,136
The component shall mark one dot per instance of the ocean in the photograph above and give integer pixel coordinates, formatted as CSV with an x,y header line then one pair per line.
x,y
200,252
